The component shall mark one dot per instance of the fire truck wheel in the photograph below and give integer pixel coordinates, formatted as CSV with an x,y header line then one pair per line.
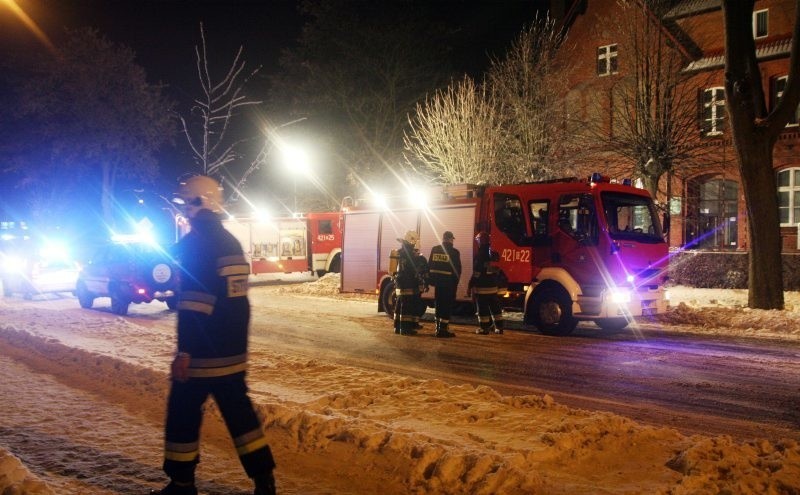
x,y
552,311
336,263
388,299
612,324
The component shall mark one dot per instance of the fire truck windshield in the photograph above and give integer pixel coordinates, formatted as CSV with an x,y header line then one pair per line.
x,y
631,217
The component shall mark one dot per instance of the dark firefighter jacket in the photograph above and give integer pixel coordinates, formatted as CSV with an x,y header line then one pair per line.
x,y
444,264
408,277
213,308
486,278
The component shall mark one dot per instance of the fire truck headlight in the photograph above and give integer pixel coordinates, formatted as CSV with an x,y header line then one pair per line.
x,y
618,296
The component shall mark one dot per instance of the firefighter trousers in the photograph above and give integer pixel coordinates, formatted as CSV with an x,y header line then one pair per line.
x,y
444,299
185,415
489,312
406,316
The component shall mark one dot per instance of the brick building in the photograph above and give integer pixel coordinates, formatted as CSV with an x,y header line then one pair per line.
x,y
705,200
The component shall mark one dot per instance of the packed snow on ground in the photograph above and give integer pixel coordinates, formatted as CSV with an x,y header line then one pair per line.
x,y
450,439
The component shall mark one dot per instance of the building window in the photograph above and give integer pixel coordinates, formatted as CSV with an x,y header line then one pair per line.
x,y
607,60
789,196
713,111
712,214
778,87
760,23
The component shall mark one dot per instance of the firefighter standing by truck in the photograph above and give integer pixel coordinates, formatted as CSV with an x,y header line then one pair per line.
x,y
213,321
407,282
422,275
445,271
485,286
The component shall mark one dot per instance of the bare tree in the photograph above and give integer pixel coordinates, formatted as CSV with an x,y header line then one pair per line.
x,y
654,111
455,135
755,130
510,129
526,85
208,129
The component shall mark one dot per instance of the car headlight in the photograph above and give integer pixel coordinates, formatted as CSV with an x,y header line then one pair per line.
x,y
13,264
618,296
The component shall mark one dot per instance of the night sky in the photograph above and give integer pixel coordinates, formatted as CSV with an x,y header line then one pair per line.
x,y
163,34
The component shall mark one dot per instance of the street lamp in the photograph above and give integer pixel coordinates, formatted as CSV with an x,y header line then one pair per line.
x,y
296,162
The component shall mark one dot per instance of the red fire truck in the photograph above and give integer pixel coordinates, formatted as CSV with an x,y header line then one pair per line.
x,y
310,242
570,249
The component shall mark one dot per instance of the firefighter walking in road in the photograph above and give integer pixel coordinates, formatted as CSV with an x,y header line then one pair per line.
x,y
407,283
213,322
485,286
444,270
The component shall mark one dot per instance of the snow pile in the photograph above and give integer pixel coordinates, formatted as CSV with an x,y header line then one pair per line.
x,y
328,285
725,312
15,479
465,439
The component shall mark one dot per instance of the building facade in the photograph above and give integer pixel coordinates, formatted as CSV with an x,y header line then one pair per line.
x,y
703,194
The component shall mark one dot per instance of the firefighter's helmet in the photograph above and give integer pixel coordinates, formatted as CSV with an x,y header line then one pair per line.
x,y
483,239
201,192
411,237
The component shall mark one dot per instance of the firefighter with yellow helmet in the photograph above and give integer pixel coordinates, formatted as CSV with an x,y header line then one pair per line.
x,y
407,283
213,322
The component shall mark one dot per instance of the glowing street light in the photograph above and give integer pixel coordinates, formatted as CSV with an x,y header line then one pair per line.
x,y
296,161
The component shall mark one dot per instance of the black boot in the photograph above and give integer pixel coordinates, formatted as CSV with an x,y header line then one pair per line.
x,y
442,332
265,484
175,488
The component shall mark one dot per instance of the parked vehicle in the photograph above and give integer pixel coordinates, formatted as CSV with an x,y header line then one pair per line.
x,y
570,249
311,242
34,276
128,272
32,263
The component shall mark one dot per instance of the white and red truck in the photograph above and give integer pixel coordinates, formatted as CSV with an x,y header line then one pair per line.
x,y
570,249
309,242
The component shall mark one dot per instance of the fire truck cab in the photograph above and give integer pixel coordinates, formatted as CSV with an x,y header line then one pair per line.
x,y
569,249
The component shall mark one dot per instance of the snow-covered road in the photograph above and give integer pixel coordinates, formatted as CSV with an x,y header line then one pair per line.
x,y
83,396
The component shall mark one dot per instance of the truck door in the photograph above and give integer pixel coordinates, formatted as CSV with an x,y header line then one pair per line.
x,y
511,238
539,210
576,236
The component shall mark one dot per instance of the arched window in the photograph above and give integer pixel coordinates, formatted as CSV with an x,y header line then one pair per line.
x,y
789,196
712,214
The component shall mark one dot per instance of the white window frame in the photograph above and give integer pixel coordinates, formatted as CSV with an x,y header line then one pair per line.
x,y
716,104
759,14
607,54
779,95
790,193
